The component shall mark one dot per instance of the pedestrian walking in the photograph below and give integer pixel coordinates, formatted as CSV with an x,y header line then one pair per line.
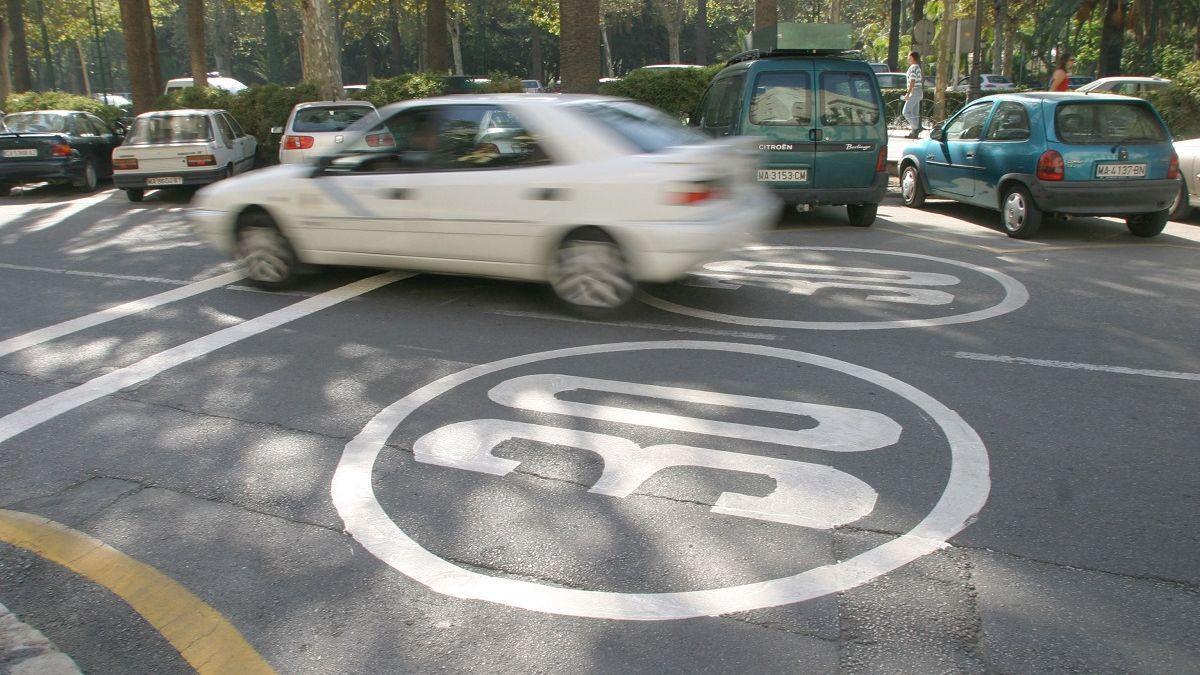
x,y
914,94
1061,79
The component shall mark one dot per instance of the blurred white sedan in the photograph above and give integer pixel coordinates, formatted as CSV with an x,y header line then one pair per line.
x,y
589,194
315,129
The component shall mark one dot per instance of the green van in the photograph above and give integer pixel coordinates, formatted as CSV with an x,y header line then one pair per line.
x,y
820,116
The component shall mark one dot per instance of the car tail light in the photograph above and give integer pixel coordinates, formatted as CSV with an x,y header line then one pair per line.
x,y
1173,167
379,140
695,193
298,142
1050,166
201,160
125,163
60,150
881,160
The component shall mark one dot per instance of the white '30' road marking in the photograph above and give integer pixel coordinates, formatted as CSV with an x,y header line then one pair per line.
x,y
48,408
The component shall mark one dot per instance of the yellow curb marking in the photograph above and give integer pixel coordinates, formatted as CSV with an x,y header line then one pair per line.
x,y
204,638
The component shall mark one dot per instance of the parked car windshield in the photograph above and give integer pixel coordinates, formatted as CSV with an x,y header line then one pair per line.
x,y
36,122
646,128
169,129
1108,122
328,118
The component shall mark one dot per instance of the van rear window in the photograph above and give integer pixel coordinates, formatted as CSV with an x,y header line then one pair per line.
x,y
847,99
782,99
1108,122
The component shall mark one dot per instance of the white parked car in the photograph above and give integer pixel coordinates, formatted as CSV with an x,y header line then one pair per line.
x,y
172,148
1189,175
588,193
315,129
531,86
991,84
214,80
1128,86
353,89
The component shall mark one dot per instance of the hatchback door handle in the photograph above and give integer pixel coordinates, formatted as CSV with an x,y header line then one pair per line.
x,y
399,193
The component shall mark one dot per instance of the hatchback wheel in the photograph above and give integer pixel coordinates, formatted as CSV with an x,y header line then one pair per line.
x,y
265,253
590,273
911,189
89,181
1147,224
1180,209
1021,217
862,215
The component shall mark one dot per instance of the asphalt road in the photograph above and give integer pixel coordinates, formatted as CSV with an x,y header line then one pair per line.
x,y
919,447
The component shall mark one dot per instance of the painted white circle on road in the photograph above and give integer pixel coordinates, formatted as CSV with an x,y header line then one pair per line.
x,y
353,495
1015,297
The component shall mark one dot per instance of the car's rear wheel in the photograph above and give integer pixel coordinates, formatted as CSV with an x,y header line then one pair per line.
x,y
5,189
862,215
135,194
912,191
89,180
1147,224
1019,214
590,273
266,255
1180,209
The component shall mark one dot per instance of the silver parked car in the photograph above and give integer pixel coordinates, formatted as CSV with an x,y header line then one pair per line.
x,y
315,129
1189,176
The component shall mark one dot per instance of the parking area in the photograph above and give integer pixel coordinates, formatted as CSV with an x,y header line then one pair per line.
x,y
919,447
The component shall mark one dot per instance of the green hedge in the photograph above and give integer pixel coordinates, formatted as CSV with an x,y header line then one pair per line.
x,y
385,90
1179,104
675,90
60,100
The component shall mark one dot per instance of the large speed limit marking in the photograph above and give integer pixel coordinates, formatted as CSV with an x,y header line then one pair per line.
x,y
806,494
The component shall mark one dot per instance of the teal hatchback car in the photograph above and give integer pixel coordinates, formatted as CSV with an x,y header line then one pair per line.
x,y
1035,154
820,120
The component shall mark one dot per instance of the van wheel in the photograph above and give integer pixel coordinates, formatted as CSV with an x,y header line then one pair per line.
x,y
1021,217
862,215
135,194
1180,209
266,255
88,182
1147,224
912,191
590,274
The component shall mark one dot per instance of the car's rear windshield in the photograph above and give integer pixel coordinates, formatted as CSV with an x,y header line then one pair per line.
x,y
999,79
169,129
644,127
328,118
36,122
1108,122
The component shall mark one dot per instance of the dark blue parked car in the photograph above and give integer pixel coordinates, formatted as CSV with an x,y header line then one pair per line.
x,y
1029,155
65,146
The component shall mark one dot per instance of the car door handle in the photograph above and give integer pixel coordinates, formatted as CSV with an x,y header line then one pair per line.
x,y
970,155
400,193
546,194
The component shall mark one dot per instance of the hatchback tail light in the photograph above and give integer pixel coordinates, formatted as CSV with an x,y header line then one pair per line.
x,y
1173,167
384,140
1050,166
881,160
298,142
125,163
695,193
201,160
60,150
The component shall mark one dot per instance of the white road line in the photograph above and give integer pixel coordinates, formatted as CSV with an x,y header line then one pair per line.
x,y
53,406
1170,374
646,326
112,313
100,275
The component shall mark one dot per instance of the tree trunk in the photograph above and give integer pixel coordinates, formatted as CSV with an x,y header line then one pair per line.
x,y
998,42
395,41
579,45
1010,42
137,55
1195,47
788,10
272,42
152,36
83,69
1112,38
195,36
51,79
673,55
943,62
766,13
894,37
536,68
22,78
436,50
608,60
5,43
454,30
700,31
320,65
835,10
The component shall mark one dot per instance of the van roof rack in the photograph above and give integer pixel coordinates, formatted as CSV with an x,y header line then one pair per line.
x,y
754,54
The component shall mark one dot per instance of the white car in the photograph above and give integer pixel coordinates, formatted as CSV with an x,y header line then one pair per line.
x,y
591,194
989,83
1128,86
315,129
1189,175
214,80
172,148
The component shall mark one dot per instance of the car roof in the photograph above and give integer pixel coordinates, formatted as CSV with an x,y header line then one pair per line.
x,y
181,112
52,112
328,104
501,99
1132,78
1056,97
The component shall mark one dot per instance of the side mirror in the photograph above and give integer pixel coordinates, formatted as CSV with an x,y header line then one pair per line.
x,y
937,134
277,130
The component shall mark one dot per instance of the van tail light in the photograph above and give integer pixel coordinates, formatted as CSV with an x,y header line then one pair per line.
x,y
60,150
1050,166
201,160
125,163
298,142
695,193
1173,167
881,160
384,140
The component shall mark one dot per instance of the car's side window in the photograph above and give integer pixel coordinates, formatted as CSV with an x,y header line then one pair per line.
x,y
717,112
474,137
238,132
98,125
1010,123
225,131
403,142
81,127
968,126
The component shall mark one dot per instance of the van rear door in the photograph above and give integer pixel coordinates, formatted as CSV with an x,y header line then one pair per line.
x,y
850,128
781,110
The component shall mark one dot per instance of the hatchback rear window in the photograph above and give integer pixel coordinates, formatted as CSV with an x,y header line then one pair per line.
x,y
1108,122
328,118
782,99
169,129
646,128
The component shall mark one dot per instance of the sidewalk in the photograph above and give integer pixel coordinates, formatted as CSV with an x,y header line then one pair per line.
x,y
25,651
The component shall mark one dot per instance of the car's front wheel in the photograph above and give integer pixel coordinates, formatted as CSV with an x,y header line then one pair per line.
x,y
1147,224
1181,209
135,194
1020,215
912,191
590,273
265,254
862,215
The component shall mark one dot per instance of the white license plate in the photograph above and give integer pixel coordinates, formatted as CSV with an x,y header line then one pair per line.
x,y
784,175
1120,171
165,180
27,152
